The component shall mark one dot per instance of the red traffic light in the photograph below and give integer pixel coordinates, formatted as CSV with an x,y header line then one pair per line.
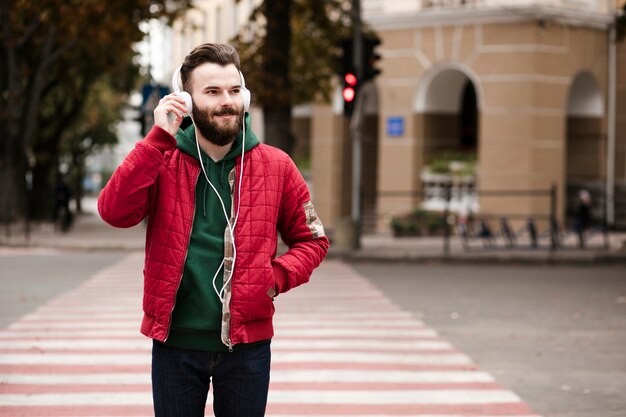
x,y
348,94
349,87
350,79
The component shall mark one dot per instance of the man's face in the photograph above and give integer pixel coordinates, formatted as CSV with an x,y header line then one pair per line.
x,y
217,103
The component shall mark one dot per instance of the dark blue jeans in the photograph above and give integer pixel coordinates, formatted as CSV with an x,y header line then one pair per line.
x,y
181,379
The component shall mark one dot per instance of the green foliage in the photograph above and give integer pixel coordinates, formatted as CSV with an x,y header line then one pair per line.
x,y
317,27
419,222
95,125
52,54
451,162
303,162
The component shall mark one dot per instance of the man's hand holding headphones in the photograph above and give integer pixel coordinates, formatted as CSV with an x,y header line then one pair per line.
x,y
168,115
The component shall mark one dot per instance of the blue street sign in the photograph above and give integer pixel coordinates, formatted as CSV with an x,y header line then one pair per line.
x,y
395,126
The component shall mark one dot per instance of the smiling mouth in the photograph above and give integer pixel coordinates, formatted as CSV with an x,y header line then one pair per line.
x,y
227,118
225,113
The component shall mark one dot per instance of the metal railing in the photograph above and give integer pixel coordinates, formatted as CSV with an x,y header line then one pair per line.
x,y
541,229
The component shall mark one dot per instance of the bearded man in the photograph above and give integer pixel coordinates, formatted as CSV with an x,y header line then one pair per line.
x,y
215,200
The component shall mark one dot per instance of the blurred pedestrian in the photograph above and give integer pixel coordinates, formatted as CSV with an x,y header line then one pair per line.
x,y
215,199
62,214
583,216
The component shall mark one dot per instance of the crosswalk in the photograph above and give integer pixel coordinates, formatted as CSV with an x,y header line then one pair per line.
x,y
342,348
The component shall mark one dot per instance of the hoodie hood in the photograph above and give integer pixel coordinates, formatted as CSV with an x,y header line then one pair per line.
x,y
186,141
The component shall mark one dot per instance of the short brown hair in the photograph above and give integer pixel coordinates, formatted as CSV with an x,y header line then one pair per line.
x,y
215,53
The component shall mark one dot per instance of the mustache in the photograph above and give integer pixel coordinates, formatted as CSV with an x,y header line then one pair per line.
x,y
227,111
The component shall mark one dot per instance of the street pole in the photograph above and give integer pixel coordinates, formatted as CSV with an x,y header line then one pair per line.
x,y
356,123
611,118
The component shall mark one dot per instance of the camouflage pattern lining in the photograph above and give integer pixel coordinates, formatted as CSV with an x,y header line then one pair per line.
x,y
313,221
229,252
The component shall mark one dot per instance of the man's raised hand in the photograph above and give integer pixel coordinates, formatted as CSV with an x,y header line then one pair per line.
x,y
168,115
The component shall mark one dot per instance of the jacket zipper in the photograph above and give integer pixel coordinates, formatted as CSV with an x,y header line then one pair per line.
x,y
234,202
193,218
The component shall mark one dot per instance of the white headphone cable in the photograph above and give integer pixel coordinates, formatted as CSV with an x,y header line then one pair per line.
x,y
231,226
232,234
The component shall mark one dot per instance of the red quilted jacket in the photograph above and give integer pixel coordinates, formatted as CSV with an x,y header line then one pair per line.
x,y
158,181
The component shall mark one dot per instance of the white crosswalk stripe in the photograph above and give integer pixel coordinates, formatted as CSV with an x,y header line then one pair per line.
x,y
285,397
342,348
280,344
310,375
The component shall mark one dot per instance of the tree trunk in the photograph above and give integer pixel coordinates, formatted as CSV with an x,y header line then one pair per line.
x,y
20,117
78,174
276,54
12,172
277,127
42,194
12,162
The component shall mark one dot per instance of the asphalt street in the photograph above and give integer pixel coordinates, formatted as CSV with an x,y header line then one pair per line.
x,y
27,281
554,335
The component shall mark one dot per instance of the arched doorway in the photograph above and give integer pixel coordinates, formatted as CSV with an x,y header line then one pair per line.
x,y
447,116
585,145
468,119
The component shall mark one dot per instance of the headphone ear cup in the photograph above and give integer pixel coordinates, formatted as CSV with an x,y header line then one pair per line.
x,y
187,97
245,96
245,93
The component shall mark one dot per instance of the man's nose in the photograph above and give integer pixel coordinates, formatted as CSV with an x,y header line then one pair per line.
x,y
228,99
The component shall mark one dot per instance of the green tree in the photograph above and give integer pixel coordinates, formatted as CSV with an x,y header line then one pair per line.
x,y
52,54
290,52
93,130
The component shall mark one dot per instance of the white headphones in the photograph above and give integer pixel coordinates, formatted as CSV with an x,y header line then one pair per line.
x,y
245,96
245,93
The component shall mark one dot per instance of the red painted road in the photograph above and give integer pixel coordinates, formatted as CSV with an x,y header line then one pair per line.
x,y
342,348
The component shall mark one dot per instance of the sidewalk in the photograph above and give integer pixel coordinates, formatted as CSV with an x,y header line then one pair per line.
x,y
90,233
431,249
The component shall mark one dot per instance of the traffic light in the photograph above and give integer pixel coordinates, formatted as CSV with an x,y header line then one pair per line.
x,y
350,87
370,57
348,72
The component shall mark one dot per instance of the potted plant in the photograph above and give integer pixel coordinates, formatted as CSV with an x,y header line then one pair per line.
x,y
419,222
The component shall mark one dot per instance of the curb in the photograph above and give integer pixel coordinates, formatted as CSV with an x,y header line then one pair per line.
x,y
573,259
378,256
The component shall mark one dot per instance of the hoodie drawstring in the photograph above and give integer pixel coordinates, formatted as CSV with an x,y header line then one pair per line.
x,y
206,185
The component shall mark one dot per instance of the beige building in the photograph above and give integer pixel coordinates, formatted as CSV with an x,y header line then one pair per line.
x,y
534,92
537,92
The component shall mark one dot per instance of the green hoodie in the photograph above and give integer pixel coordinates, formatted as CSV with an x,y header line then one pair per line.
x,y
196,319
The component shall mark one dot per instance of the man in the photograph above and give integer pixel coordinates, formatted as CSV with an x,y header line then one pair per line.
x,y
583,216
215,200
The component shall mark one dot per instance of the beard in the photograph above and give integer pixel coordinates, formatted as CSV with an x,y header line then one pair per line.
x,y
212,131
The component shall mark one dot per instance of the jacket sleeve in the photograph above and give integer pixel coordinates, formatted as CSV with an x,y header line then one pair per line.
x,y
124,201
301,230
